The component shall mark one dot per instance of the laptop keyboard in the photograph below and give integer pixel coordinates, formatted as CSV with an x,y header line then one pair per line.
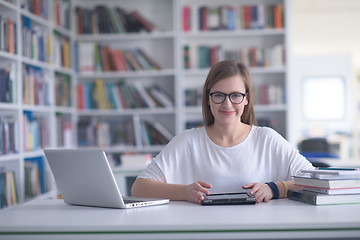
x,y
132,201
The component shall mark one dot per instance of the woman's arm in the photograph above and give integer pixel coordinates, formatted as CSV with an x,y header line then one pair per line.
x,y
263,192
144,187
284,186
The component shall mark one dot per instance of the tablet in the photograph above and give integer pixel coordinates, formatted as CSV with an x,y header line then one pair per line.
x,y
239,198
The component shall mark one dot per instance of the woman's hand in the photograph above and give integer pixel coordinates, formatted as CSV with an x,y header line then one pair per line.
x,y
261,191
193,192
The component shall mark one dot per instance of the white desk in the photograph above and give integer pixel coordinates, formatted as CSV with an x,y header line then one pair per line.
x,y
278,219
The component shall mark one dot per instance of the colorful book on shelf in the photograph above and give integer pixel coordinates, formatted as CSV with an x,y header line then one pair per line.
x,y
323,199
145,23
186,18
230,17
161,96
36,86
9,131
35,131
34,177
63,130
62,13
7,80
111,132
63,90
110,20
8,190
151,135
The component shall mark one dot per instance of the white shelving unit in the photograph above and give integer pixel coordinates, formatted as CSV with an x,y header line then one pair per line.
x,y
15,161
165,45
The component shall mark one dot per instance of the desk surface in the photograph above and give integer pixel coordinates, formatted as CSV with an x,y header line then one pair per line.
x,y
52,219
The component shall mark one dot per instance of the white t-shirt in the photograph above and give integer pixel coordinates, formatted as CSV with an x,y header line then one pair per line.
x,y
264,156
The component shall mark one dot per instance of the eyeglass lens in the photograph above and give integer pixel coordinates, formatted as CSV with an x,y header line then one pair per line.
x,y
219,97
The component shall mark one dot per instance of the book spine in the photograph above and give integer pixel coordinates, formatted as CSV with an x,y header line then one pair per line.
x,y
302,197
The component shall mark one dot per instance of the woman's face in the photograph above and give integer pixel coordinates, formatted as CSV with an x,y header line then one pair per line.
x,y
227,113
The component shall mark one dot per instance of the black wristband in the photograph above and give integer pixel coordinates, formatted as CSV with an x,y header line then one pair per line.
x,y
274,189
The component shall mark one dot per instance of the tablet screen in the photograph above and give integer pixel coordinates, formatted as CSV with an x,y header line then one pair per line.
x,y
227,196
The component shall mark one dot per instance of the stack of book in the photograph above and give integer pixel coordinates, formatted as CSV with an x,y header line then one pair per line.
x,y
324,186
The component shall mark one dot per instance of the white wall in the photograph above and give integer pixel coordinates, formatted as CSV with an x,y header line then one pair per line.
x,y
321,28
325,27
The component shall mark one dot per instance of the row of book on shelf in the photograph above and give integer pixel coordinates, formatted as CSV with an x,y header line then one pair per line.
x,y
230,17
8,34
9,130
35,176
35,131
62,13
251,56
64,130
110,132
36,42
39,8
97,57
63,90
121,95
324,186
121,133
8,193
111,20
61,10
35,86
61,47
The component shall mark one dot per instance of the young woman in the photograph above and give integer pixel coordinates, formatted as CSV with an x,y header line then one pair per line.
x,y
229,154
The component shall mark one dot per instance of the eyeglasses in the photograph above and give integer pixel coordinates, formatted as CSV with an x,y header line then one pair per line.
x,y
235,97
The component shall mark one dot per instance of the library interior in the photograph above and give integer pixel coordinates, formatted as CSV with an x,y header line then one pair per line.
x,y
127,76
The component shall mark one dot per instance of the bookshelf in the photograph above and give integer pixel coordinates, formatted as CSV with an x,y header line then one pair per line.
x,y
214,30
36,108
127,74
87,97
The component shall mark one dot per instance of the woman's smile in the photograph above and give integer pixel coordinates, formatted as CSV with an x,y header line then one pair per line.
x,y
227,112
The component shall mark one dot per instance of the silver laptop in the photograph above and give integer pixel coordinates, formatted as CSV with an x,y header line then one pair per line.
x,y
84,177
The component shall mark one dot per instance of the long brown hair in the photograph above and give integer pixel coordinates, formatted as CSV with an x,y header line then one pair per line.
x,y
220,71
